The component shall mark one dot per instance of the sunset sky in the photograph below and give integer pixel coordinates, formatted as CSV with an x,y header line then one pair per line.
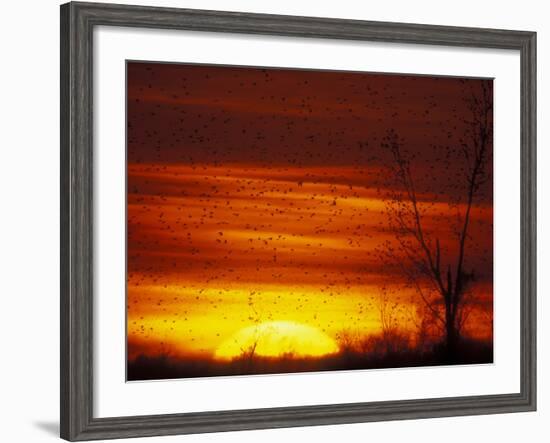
x,y
256,195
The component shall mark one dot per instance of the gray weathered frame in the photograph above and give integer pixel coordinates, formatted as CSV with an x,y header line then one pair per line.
x,y
77,24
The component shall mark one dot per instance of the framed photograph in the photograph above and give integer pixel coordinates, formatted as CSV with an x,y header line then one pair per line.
x,y
273,221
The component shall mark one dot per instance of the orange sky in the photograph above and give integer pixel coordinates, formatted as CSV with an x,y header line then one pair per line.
x,y
281,221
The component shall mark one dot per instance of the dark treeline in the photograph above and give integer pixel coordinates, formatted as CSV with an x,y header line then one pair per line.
x,y
167,367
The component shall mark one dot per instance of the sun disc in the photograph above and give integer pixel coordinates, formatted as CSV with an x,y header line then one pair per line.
x,y
276,339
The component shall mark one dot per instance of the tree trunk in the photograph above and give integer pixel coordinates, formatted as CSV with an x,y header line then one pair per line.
x,y
451,334
450,340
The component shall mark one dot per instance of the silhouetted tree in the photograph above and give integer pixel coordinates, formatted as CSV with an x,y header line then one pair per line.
x,y
391,318
248,354
439,275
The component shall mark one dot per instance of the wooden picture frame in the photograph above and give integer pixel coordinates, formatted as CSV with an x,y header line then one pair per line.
x,y
77,376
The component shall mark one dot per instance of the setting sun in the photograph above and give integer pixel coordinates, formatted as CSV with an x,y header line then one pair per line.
x,y
291,220
276,339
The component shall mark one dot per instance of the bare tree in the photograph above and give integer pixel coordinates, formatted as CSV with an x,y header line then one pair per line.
x,y
248,353
392,317
439,275
425,324
388,320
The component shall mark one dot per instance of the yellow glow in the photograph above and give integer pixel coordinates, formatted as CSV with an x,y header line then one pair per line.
x,y
277,338
203,267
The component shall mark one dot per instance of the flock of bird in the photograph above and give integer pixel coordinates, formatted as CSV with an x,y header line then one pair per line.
x,y
254,194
